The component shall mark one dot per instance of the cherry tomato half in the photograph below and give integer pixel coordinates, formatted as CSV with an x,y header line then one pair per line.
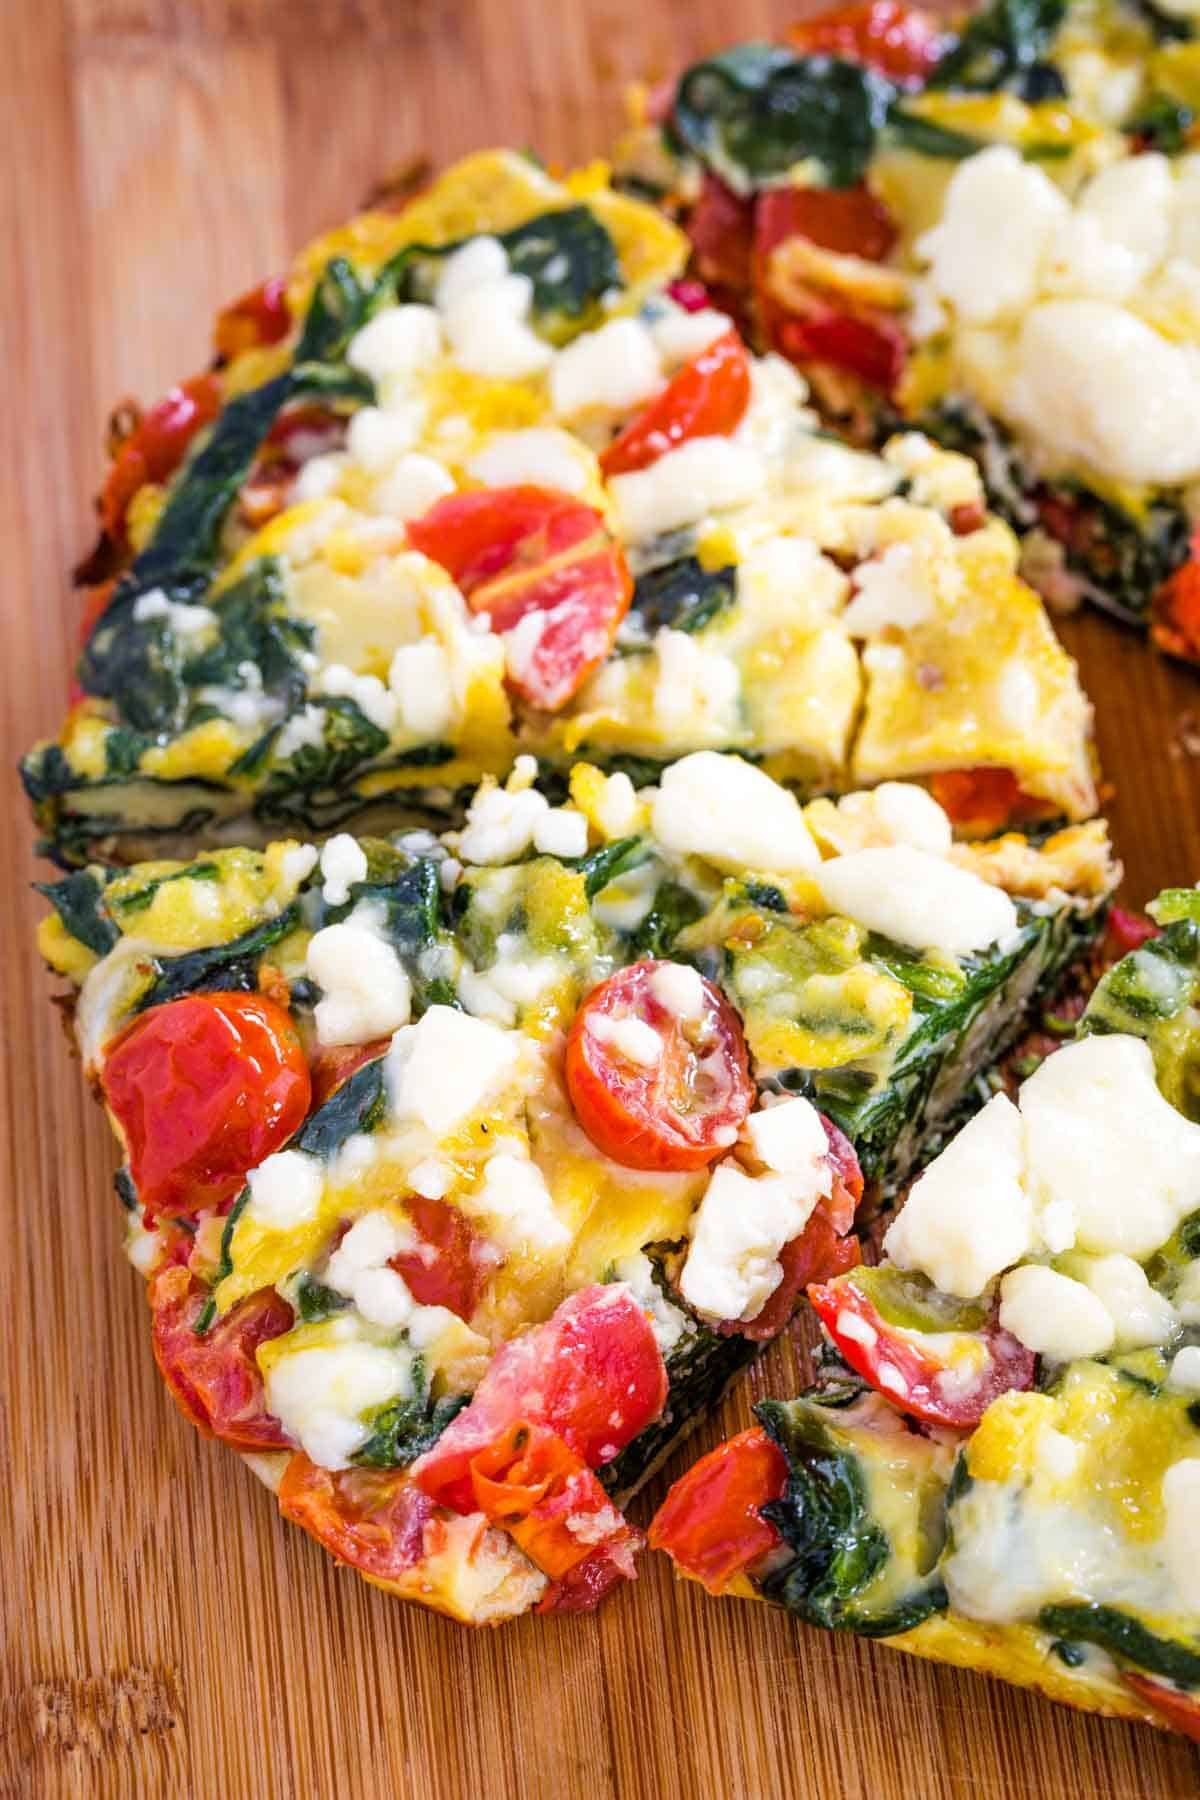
x,y
258,317
450,1265
721,229
1175,625
522,550
683,1109
982,801
710,1523
902,42
592,1373
373,1519
214,1377
155,449
849,221
1181,1711
706,398
917,1379
202,1090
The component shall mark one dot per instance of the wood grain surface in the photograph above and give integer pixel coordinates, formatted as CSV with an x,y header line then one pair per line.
x,y
164,1632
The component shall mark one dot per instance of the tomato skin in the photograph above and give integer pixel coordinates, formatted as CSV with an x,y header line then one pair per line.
x,y
710,1523
641,1117
982,801
1175,625
202,1089
871,348
261,316
706,398
1126,931
157,446
721,229
519,550
456,1275
1181,1711
372,1519
214,1378
1009,1364
333,1064
820,1253
592,1373
849,221
901,41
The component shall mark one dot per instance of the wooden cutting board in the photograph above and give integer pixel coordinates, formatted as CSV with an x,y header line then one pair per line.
x,y
164,1632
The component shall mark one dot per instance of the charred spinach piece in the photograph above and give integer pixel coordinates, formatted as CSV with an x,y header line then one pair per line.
x,y
683,595
78,900
1126,1638
357,1105
404,1429
1003,46
232,966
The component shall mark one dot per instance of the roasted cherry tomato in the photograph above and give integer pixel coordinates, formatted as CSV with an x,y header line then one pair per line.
x,y
681,1107
213,1376
711,1523
1180,1710
202,1090
849,220
298,434
707,398
520,551
373,1519
450,1265
982,801
593,1374
902,42
529,1483
155,449
872,349
1125,931
259,317
1175,622
916,1378
721,229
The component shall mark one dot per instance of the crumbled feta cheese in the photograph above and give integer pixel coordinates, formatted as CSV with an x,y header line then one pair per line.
x,y
431,1178
705,475
447,1067
485,312
968,1216
367,692
790,1138
910,815
1053,1315
667,1322
500,824
297,864
480,262
319,476
376,439
343,862
561,831
697,690
612,369
936,477
187,622
1140,1315
1102,1139
371,1242
999,216
631,1038
917,899
1132,201
420,678
365,990
285,1190
398,342
889,590
523,642
321,1394
615,807
517,1205
412,485
733,815
542,456
679,336
1057,1454
738,1230
1184,1373
305,730
1181,1536
679,988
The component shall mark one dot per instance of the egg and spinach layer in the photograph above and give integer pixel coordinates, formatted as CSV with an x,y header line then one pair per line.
x,y
999,1465
875,969
1000,245
271,651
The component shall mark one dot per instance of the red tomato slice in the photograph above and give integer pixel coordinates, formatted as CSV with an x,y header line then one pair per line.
x,y
679,1113
710,1524
902,42
983,801
1175,626
203,1089
707,398
820,1253
521,550
1126,931
373,1519
721,229
872,348
848,1182
260,317
456,1273
214,1378
1180,1710
533,1486
915,1379
156,448
593,1373
849,220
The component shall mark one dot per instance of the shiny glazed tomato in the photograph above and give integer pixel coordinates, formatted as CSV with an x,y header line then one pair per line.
x,y
455,1273
707,398
710,1523
526,553
849,221
682,1107
213,1375
202,1089
258,317
900,41
373,1519
155,449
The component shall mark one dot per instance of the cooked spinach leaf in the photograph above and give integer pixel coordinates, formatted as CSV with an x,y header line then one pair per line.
x,y
255,630
350,740
232,966
683,595
79,902
405,1429
1001,47
1126,1638
673,909
911,132
572,262
338,308
611,860
358,1105
224,1268
315,1301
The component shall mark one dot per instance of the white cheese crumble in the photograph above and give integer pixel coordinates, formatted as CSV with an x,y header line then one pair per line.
x,y
542,456
365,990
697,690
187,622
421,679
561,831
343,862
517,1205
611,370
485,312
733,815
908,814
447,1067
377,439
320,1394
305,730
367,692
412,485
790,1138
285,1190
1181,1535
917,899
737,1232
1184,1373
501,824
400,341
1053,1315
1140,1315
667,1322
632,1039
1000,215
679,988
297,864
889,590
680,336
703,476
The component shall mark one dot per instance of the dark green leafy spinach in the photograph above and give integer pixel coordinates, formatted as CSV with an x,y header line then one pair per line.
x,y
1003,46
224,1268
404,1429
79,902
683,595
1126,1638
315,1301
357,1105
673,909
232,966
611,860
